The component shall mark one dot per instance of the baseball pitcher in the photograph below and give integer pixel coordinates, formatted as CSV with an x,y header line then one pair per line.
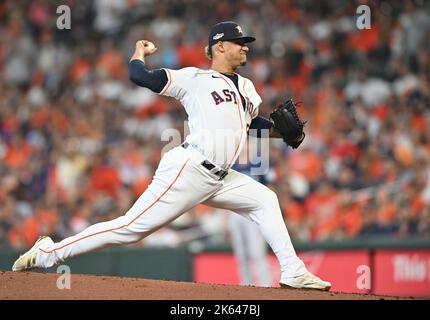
x,y
221,106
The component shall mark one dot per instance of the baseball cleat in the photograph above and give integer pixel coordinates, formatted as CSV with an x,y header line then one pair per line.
x,y
27,260
306,281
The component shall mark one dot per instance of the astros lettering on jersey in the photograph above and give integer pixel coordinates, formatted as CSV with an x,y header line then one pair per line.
x,y
218,116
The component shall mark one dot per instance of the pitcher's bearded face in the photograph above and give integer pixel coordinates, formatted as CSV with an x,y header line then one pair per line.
x,y
236,52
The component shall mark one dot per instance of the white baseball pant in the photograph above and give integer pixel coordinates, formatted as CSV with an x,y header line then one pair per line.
x,y
179,184
249,249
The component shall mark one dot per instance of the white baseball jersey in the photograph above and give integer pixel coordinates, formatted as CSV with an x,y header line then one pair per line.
x,y
219,114
219,117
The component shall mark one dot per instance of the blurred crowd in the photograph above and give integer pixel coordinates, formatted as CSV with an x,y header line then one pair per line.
x,y
79,142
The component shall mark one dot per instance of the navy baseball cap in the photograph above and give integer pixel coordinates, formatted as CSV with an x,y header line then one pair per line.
x,y
225,31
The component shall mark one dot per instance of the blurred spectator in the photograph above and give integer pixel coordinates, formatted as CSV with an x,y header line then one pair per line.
x,y
79,143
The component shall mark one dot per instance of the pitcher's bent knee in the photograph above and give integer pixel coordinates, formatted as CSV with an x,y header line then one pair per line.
x,y
268,198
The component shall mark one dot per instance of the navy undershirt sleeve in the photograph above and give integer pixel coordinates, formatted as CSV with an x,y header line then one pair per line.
x,y
259,123
155,80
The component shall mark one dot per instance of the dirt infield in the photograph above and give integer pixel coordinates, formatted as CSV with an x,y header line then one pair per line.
x,y
43,286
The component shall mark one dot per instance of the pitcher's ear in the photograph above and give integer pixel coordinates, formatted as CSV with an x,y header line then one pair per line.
x,y
208,52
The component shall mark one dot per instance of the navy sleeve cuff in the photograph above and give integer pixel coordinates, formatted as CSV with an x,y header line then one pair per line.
x,y
258,124
154,80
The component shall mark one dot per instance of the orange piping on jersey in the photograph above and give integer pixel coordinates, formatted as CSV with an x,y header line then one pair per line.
x,y
169,83
243,88
239,101
126,225
241,133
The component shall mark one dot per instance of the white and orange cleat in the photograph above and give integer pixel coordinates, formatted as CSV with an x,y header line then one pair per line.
x,y
305,281
27,260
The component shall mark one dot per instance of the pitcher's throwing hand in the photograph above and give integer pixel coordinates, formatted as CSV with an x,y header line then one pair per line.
x,y
221,106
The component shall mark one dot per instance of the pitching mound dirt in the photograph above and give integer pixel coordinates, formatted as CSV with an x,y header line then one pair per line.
x,y
43,286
